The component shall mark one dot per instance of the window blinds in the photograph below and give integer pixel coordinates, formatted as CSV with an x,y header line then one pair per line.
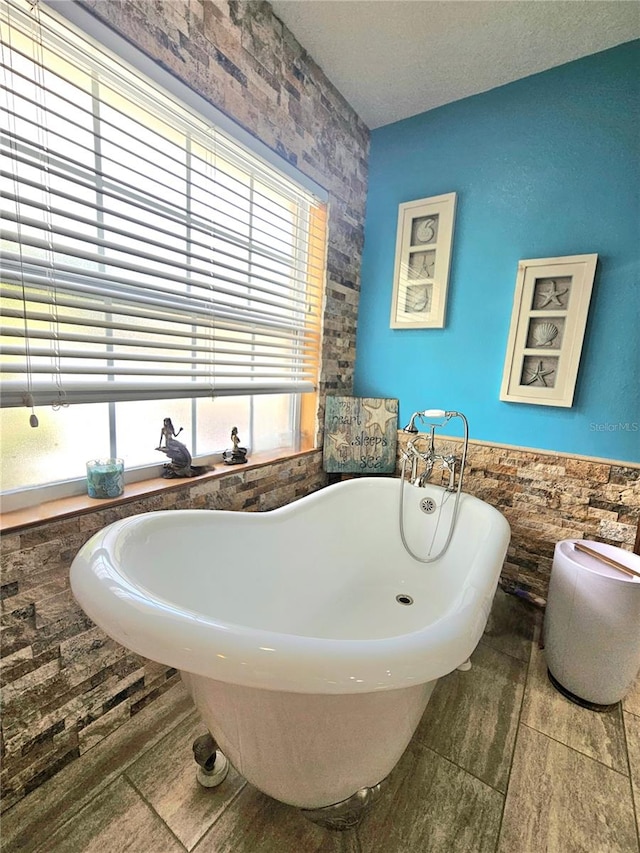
x,y
145,254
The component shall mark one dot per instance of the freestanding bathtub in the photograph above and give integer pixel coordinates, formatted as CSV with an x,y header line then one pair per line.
x,y
309,639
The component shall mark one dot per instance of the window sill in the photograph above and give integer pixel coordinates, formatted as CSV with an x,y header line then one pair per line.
x,y
23,519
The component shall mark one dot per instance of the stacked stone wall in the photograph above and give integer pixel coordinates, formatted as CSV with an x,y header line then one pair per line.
x,y
549,497
65,684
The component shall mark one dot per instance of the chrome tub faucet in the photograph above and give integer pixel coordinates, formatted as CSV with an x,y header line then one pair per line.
x,y
429,457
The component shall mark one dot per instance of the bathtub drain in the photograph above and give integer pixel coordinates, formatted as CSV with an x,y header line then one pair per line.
x,y
403,598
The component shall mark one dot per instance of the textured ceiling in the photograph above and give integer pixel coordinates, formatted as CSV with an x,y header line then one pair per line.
x,y
395,58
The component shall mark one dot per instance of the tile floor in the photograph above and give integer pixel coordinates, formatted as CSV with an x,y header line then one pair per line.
x,y
500,763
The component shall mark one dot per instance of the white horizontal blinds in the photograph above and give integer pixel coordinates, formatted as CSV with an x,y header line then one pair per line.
x,y
144,254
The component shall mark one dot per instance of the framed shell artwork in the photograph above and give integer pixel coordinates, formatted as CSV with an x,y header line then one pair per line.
x,y
548,323
423,257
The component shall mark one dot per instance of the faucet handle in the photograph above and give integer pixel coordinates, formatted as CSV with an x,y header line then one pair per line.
x,y
449,463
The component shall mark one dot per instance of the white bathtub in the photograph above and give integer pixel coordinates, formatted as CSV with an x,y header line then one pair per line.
x,y
286,628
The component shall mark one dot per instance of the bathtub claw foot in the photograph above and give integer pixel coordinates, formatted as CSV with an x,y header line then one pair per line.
x,y
464,667
347,813
213,764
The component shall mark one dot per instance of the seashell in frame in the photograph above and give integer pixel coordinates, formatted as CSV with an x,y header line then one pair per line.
x,y
544,334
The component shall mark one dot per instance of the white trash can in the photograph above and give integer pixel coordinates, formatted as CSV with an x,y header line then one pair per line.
x,y
592,624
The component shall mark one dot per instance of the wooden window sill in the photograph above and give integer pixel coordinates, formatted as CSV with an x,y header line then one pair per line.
x,y
23,519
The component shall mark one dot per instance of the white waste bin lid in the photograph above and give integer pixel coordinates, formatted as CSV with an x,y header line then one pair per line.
x,y
596,566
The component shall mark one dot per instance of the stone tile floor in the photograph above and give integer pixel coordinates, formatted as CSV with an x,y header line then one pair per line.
x,y
500,763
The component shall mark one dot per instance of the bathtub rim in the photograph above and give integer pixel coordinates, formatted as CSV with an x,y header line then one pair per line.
x,y
272,660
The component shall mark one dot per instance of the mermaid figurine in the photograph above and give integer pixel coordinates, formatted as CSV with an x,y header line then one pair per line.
x,y
237,455
180,465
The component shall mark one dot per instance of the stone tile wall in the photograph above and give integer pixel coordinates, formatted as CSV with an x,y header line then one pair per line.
x,y
548,497
65,684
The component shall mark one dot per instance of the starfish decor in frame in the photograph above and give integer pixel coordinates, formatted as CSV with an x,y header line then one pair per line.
x,y
548,323
360,435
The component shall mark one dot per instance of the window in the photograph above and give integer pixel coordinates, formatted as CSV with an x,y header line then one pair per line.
x,y
151,266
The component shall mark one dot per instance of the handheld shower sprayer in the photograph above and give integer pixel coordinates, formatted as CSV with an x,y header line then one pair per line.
x,y
428,415
433,418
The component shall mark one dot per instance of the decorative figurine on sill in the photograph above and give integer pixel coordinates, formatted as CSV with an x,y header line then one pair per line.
x,y
180,465
238,455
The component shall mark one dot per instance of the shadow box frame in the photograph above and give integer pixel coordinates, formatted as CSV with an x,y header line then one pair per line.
x,y
424,241
548,324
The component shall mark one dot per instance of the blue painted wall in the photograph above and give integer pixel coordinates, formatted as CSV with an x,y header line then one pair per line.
x,y
543,167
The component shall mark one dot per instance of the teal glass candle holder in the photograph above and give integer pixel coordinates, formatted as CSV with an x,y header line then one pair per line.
x,y
105,478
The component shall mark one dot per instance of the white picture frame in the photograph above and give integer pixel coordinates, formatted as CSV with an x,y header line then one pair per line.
x,y
423,257
548,323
